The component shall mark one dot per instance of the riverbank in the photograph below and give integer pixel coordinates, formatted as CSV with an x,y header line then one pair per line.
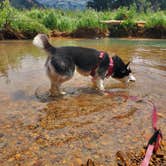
x,y
118,31
25,24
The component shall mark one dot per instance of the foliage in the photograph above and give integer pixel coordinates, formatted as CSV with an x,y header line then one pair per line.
x,y
7,14
18,21
28,26
156,20
123,13
141,5
33,21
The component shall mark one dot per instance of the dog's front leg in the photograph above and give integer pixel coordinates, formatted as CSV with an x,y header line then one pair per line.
x,y
98,83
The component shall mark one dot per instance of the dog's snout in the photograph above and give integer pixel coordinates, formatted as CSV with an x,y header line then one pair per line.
x,y
131,78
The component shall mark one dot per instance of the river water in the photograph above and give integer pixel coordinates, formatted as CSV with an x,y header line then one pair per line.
x,y
36,130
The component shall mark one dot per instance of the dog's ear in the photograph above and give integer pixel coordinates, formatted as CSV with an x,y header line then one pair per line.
x,y
127,65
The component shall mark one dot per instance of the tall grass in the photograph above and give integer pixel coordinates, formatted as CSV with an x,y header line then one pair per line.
x,y
45,20
156,20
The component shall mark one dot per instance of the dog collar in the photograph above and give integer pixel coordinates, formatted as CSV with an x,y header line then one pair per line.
x,y
110,68
101,55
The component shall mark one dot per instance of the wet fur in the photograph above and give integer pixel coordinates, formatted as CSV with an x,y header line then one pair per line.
x,y
62,62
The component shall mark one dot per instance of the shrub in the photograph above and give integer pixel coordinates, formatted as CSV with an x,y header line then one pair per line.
x,y
7,13
156,20
28,26
124,13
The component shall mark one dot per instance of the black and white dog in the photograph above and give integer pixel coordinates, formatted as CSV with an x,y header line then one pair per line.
x,y
62,61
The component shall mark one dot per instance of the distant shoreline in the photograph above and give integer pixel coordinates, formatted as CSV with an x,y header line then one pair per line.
x,y
91,33
25,24
154,33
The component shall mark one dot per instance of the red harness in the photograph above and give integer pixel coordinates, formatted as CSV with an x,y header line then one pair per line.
x,y
109,70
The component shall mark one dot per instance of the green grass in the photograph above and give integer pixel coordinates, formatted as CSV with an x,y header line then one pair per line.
x,y
156,20
31,22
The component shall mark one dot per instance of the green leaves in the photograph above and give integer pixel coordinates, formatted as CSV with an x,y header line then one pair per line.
x,y
7,14
156,20
31,22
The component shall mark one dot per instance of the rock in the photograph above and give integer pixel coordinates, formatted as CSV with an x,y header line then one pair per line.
x,y
90,163
122,159
1,135
160,115
79,161
18,156
3,144
37,163
160,155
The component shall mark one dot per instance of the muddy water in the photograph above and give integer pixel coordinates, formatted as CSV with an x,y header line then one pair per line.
x,y
37,130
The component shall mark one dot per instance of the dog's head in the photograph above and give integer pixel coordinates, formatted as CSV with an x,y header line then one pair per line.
x,y
121,70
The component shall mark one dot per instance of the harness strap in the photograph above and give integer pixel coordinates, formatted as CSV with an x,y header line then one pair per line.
x,y
110,68
101,55
93,71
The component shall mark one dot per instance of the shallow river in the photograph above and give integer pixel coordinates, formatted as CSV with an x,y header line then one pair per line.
x,y
36,130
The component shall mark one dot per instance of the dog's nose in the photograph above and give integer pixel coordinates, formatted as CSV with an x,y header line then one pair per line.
x,y
131,78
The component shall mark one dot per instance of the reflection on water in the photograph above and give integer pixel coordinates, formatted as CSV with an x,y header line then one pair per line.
x,y
85,123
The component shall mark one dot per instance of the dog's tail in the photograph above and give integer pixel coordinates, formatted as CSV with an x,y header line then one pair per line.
x,y
41,41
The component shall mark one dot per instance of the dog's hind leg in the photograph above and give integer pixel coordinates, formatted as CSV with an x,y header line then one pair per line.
x,y
94,82
54,89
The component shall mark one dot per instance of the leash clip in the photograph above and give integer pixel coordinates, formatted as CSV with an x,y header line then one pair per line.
x,y
155,140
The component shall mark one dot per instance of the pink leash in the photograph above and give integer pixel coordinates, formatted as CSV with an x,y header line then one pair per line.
x,y
155,140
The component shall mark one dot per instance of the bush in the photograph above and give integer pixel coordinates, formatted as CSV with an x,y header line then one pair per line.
x,y
50,20
123,13
7,13
28,26
156,20
31,22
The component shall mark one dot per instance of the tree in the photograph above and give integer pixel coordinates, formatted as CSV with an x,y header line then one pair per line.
x,y
7,13
141,5
99,4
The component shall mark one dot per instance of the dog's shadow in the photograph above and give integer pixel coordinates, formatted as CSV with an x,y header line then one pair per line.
x,y
71,109
44,95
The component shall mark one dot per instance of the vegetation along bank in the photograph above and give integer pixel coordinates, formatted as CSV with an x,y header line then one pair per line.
x,y
26,23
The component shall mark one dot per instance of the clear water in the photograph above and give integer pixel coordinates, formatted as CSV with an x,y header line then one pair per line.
x,y
84,123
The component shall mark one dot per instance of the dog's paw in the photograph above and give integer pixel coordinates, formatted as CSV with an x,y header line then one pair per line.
x,y
63,93
101,88
53,94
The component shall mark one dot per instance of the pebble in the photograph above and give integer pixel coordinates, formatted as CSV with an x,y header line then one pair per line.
x,y
122,158
18,156
78,161
90,163
3,144
1,135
